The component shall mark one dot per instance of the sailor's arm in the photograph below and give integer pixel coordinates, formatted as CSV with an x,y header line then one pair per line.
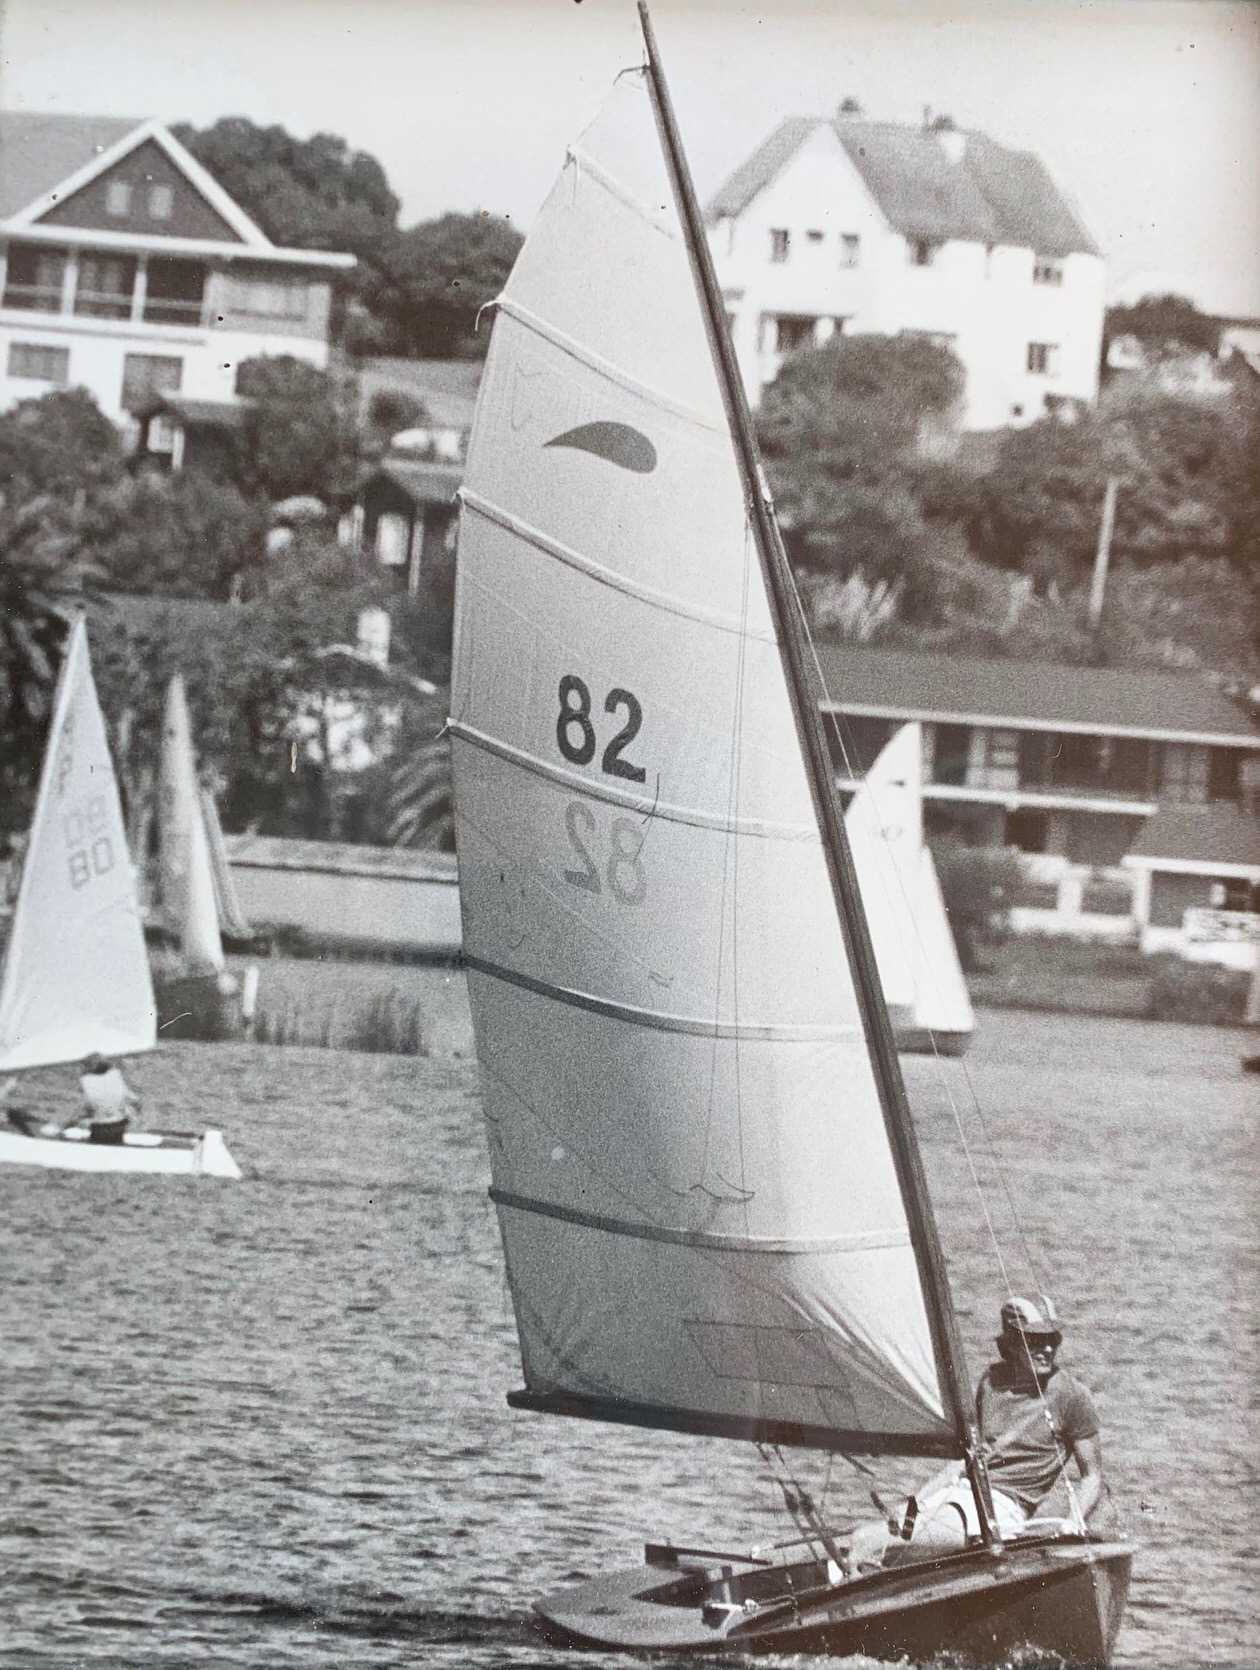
x,y
1088,1490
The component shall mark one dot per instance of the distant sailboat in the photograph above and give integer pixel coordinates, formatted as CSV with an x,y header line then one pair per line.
x,y
713,1209
199,996
919,970
76,973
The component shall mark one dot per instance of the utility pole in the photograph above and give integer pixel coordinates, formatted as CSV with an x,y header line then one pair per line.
x,y
1102,554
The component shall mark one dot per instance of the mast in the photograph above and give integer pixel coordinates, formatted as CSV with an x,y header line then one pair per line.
x,y
804,696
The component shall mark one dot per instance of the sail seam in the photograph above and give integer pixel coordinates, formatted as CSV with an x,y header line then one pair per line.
x,y
504,519
654,1018
536,325
794,1246
616,797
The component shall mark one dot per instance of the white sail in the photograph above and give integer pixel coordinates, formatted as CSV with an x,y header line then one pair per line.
x,y
922,978
701,1216
76,975
186,891
232,919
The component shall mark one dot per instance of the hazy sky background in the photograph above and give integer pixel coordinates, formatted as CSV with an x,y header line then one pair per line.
x,y
1146,111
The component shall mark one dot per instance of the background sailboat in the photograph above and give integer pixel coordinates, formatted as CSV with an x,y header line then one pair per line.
x,y
76,972
919,970
712,1208
198,996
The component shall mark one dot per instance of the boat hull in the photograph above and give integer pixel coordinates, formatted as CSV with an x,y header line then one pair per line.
x,y
146,1151
1060,1595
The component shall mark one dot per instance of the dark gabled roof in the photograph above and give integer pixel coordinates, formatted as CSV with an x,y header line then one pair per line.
x,y
1216,833
1033,694
991,195
221,414
38,151
426,483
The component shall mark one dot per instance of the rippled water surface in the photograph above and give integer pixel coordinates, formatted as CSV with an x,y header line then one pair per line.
x,y
263,1424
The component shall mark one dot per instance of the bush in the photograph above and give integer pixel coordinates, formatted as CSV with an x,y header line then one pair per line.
x,y
980,885
1203,992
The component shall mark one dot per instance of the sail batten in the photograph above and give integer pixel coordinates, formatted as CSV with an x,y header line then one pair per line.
x,y
616,582
642,671
696,1025
646,808
699,1237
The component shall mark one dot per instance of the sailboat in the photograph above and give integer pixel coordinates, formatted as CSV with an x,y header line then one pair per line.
x,y
711,1202
919,970
76,974
198,992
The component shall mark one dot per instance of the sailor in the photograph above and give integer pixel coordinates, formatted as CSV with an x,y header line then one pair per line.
x,y
108,1100
1034,1418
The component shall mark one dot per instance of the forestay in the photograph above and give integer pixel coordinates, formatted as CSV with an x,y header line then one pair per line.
x,y
701,1218
76,976
186,891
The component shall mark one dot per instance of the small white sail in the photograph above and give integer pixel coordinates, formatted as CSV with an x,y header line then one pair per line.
x,y
76,975
922,978
232,919
701,1216
186,893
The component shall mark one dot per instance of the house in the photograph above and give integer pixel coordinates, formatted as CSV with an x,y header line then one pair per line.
x,y
175,432
125,268
857,226
407,515
1134,795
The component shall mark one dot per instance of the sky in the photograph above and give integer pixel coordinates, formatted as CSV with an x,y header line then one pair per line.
x,y
1147,112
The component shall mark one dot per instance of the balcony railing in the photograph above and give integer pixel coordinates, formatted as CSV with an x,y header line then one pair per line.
x,y
33,298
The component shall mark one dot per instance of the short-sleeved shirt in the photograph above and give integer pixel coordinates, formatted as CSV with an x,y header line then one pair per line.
x,y
1034,1431
108,1096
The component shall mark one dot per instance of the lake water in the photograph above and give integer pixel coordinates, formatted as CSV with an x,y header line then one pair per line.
x,y
261,1425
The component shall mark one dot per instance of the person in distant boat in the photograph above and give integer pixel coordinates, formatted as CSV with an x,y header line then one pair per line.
x,y
1034,1418
108,1100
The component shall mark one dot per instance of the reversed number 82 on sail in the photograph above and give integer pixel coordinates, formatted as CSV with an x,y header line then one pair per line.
x,y
90,852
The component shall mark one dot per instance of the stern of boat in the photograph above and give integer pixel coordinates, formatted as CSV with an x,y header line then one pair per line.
x,y
213,1156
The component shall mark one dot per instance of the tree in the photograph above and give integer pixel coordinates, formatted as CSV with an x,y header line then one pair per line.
x,y
43,574
844,429
296,435
61,443
312,193
180,535
434,279
1165,326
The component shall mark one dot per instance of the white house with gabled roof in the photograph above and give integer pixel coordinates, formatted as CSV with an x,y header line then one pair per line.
x,y
125,268
860,227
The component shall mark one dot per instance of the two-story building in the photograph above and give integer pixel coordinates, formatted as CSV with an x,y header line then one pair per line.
x,y
857,226
125,268
1134,795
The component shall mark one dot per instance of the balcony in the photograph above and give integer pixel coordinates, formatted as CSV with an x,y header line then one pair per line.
x,y
153,290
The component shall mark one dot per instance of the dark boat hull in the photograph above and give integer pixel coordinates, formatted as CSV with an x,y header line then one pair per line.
x,y
1060,1595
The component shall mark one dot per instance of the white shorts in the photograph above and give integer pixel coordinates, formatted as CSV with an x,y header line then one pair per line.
x,y
1010,1513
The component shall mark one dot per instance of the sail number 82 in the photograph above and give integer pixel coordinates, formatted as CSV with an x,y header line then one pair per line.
x,y
575,730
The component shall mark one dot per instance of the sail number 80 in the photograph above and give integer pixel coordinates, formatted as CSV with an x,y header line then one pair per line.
x,y
575,730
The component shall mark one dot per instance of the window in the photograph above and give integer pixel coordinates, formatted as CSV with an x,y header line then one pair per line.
x,y
105,286
33,281
391,539
1046,271
779,244
161,202
792,331
174,291
38,363
149,374
922,252
267,298
118,198
850,249
1043,359
161,433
